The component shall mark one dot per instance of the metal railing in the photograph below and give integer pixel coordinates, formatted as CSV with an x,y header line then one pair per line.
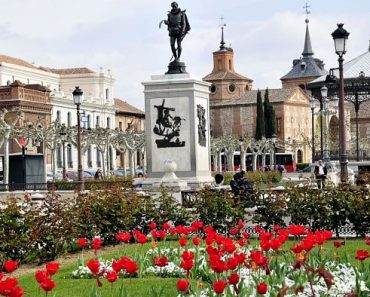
x,y
64,186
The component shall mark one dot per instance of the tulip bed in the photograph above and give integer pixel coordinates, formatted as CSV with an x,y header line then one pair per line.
x,y
196,260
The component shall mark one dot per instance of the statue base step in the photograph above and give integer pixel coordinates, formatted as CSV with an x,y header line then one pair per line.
x,y
176,67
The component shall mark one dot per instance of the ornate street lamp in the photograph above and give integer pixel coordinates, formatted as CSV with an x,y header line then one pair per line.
x,y
313,106
340,36
242,160
77,98
63,138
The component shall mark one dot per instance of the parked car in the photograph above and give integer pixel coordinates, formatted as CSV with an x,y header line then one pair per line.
x,y
118,173
73,175
58,177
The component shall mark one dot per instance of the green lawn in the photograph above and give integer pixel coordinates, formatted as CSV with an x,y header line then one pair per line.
x,y
68,287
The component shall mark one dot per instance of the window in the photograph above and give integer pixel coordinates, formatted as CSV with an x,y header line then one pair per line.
x,y
69,119
219,64
88,122
97,124
213,89
232,88
108,122
229,64
59,157
58,116
278,125
106,94
69,156
89,157
110,158
120,126
98,158
299,156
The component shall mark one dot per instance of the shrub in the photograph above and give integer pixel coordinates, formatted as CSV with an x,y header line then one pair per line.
x,y
218,208
302,165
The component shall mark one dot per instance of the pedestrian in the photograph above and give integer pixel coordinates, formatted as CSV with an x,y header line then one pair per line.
x,y
320,173
219,179
98,174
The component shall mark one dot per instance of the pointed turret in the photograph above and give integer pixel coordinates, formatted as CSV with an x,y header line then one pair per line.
x,y
307,50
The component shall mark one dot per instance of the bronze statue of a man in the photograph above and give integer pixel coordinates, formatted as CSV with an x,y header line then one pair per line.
x,y
178,26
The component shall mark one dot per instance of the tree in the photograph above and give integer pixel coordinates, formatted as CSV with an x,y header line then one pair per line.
x,y
260,125
269,116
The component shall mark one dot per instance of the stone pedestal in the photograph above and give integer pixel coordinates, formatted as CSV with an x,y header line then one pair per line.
x,y
177,129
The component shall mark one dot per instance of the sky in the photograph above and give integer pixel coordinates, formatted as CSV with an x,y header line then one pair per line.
x,y
124,36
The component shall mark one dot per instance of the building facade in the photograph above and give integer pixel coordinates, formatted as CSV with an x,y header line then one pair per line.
x,y
97,107
233,106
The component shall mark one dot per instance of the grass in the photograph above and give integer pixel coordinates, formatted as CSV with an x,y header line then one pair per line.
x,y
68,287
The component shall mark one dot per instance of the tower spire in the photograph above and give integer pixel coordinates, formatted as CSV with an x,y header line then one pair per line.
x,y
222,25
307,49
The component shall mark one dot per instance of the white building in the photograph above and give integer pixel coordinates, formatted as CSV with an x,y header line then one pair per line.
x,y
98,104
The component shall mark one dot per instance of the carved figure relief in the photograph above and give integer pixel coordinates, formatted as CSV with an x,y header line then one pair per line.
x,y
201,114
168,125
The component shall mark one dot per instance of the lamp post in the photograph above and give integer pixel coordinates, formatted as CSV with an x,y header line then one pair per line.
x,y
313,106
240,155
63,138
340,36
327,112
77,98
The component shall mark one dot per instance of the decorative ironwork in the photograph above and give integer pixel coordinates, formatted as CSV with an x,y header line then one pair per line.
x,y
167,126
202,136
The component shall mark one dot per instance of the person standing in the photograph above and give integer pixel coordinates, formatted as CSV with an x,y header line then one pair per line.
x,y
320,173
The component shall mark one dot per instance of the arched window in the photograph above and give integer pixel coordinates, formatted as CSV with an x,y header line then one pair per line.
x,y
106,94
299,156
69,119
97,123
108,122
98,158
89,157
58,116
69,156
59,157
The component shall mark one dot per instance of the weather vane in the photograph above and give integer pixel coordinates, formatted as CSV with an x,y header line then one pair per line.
x,y
306,7
222,25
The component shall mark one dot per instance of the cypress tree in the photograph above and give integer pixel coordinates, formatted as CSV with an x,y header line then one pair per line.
x,y
260,125
269,116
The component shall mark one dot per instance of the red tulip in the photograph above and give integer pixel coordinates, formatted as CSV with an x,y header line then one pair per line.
x,y
233,279
297,230
187,265
116,265
8,285
234,231
183,241
123,236
17,292
275,244
232,263
152,225
367,240
131,267
337,244
48,284
166,226
241,224
82,242
187,255
262,288
362,255
41,275
52,267
96,243
219,286
141,238
10,266
111,276
196,241
161,262
182,285
94,266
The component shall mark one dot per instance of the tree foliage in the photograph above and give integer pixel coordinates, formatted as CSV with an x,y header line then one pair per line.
x,y
260,125
269,116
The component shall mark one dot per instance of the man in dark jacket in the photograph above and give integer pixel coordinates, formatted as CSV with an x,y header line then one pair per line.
x,y
320,173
